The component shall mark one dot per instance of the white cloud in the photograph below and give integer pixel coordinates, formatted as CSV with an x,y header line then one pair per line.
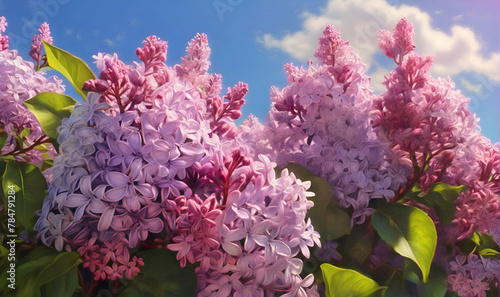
x,y
109,42
473,88
457,17
360,21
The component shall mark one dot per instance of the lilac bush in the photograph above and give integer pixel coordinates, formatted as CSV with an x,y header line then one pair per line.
x,y
151,159
19,82
153,181
399,146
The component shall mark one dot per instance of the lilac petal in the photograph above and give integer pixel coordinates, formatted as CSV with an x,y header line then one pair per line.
x,y
86,186
132,203
231,248
133,238
116,194
260,240
235,235
99,191
105,220
241,212
146,190
191,150
59,243
122,223
308,281
136,170
117,179
260,227
281,248
97,206
154,225
100,158
115,160
135,142
123,148
80,211
76,200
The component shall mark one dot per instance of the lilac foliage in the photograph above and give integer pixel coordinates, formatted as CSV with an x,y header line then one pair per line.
x,y
151,158
19,82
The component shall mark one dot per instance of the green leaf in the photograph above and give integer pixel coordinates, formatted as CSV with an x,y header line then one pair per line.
x,y
29,185
3,138
49,110
397,287
412,272
63,286
359,244
63,263
27,269
485,244
162,276
437,284
327,217
409,231
488,252
25,133
73,68
441,199
341,282
452,294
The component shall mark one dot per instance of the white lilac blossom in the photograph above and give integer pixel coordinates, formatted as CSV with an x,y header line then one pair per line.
x,y
151,159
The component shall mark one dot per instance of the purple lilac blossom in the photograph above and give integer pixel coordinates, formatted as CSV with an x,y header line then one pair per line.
x,y
154,150
20,82
322,121
36,47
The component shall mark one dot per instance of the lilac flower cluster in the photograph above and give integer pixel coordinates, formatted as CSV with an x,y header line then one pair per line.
x,y
424,118
471,275
19,82
36,47
151,159
4,40
322,121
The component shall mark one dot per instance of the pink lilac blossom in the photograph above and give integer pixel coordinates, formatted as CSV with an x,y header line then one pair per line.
x,y
36,47
4,40
322,121
429,125
146,154
20,82
471,276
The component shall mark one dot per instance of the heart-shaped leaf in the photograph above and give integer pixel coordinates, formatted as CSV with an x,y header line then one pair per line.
x,y
410,231
29,185
50,109
73,68
440,198
341,282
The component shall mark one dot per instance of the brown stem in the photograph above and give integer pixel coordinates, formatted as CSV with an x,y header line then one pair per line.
x,y
118,98
116,285
42,139
81,281
93,284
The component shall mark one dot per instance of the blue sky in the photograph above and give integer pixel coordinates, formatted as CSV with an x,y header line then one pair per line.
x,y
252,39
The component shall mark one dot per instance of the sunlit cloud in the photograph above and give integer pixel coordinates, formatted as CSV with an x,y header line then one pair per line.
x,y
455,52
